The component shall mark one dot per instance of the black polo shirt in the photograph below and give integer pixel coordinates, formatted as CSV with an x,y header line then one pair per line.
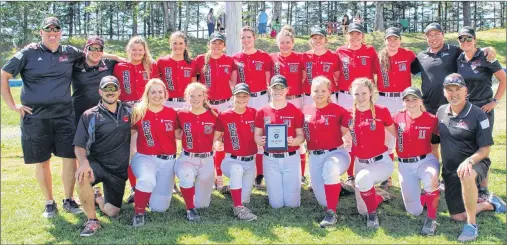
x,y
477,73
46,79
85,83
107,137
434,68
462,135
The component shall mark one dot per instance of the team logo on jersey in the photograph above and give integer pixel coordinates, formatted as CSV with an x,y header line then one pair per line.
x,y
226,69
126,82
187,128
233,131
443,54
252,127
147,133
126,119
258,66
309,75
103,68
169,78
385,77
267,120
186,72
401,128
145,75
373,125
208,129
168,125
463,125
277,68
241,71
326,67
402,66
345,66
63,58
326,120
363,61
293,67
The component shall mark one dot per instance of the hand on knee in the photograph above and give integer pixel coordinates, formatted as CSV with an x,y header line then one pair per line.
x,y
469,178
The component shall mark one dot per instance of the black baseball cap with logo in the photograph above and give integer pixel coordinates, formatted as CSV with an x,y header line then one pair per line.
x,y
393,32
217,36
355,27
278,80
48,21
411,91
241,88
318,31
433,26
454,79
466,31
109,80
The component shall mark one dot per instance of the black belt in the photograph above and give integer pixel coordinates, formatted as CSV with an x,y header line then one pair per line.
x,y
308,94
291,97
244,159
257,94
218,102
411,159
344,91
199,155
280,155
176,99
388,94
166,157
320,152
371,160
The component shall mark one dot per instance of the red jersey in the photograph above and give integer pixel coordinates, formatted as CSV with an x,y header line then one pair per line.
x,y
176,75
357,63
156,132
368,139
320,65
322,126
252,68
218,77
291,67
399,76
289,115
133,79
414,135
198,131
238,131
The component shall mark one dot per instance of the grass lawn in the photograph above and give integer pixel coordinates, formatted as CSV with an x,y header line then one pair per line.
x,y
22,203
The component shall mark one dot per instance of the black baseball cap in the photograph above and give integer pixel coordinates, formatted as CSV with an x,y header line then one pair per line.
x,y
433,26
393,31
355,27
318,31
454,79
411,91
109,80
466,31
217,36
48,21
278,80
241,88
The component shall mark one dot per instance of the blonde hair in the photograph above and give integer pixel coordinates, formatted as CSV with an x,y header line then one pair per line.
x,y
191,87
147,58
322,80
186,53
248,28
286,31
310,42
207,58
347,39
140,108
363,81
385,60
421,106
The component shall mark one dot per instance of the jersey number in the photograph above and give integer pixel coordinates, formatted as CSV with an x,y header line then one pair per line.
x,y
422,134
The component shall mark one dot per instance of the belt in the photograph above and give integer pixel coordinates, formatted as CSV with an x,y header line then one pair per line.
x,y
411,159
371,160
280,155
387,94
344,91
291,97
257,94
320,152
166,157
244,159
198,155
176,99
218,102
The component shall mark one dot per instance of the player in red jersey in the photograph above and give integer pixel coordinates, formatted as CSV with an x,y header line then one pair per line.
x,y
133,76
416,164
216,72
177,70
153,163
236,127
194,166
328,159
366,123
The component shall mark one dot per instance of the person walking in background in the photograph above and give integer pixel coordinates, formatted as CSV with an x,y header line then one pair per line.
x,y
262,20
211,20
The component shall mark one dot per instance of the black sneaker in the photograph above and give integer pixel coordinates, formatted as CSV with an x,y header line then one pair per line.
x,y
329,219
372,221
90,228
258,181
50,210
441,186
386,184
483,194
192,215
349,185
130,199
138,220
70,206
226,190
429,227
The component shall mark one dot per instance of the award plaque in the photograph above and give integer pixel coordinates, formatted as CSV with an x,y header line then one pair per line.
x,y
276,137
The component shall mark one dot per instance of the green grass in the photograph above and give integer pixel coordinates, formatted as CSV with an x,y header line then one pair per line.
x,y
22,201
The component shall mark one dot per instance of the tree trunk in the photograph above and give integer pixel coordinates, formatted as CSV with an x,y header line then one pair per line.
x,y
198,20
135,13
466,14
439,16
233,19
277,11
165,8
379,18
187,16
320,13
111,15
26,31
365,17
179,15
97,22
70,15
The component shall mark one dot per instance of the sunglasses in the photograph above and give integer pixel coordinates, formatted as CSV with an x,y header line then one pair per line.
x,y
51,29
90,48
465,39
109,89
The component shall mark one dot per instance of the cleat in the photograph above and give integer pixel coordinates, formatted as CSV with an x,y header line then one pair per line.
x,y
372,221
441,186
226,190
192,215
386,184
90,228
469,233
243,213
219,183
349,185
258,181
50,210
483,194
138,220
130,199
497,203
329,219
70,206
429,227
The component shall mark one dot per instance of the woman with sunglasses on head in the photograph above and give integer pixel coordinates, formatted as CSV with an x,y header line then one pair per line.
x,y
281,168
133,76
215,71
153,163
328,159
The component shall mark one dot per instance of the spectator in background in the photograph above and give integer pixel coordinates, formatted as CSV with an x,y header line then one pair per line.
x,y
358,19
345,24
262,20
211,20
275,27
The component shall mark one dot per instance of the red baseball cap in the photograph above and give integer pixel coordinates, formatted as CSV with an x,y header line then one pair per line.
x,y
95,40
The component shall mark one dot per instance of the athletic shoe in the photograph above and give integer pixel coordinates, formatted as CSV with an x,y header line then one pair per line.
x,y
130,199
96,193
192,215
498,203
441,186
219,183
176,190
243,213
258,181
50,210
469,233
372,220
226,190
138,220
70,206
329,219
386,196
349,184
483,194
429,227
90,228
386,184
304,181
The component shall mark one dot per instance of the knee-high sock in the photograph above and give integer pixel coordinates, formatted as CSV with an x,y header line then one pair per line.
x,y
141,200
350,171
332,195
258,163
370,199
132,177
217,159
432,199
303,163
188,196
236,197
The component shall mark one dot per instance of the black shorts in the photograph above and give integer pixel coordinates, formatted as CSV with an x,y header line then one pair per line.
x,y
453,195
113,184
41,137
